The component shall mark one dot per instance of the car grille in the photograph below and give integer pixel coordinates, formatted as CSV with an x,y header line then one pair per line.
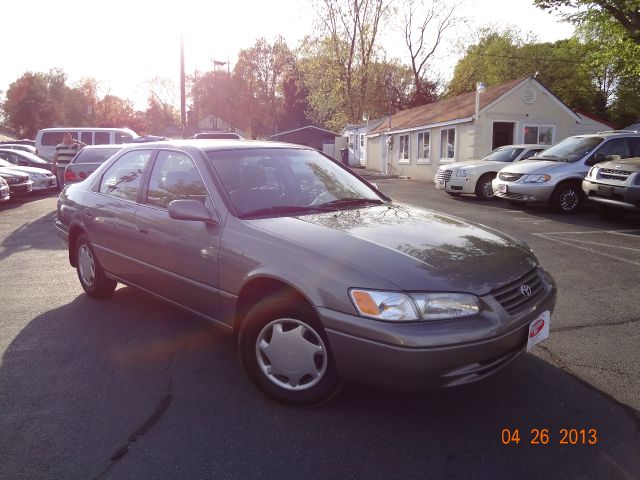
x,y
509,177
609,174
444,175
511,296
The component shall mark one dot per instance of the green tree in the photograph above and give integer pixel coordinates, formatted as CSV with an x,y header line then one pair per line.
x,y
625,13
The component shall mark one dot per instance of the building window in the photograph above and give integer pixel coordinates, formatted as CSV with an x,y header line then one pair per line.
x,y
403,149
424,142
362,141
542,134
448,144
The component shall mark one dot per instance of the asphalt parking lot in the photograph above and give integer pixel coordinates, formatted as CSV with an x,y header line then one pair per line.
x,y
132,388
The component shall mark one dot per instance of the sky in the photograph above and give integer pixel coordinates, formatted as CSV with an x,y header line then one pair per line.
x,y
123,44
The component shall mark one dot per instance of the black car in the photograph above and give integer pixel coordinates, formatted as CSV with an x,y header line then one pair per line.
x,y
19,183
23,159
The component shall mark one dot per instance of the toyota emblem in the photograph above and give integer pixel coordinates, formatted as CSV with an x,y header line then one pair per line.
x,y
525,290
618,167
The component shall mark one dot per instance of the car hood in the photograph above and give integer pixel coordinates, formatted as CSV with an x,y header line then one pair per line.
x,y
535,167
11,172
628,164
414,248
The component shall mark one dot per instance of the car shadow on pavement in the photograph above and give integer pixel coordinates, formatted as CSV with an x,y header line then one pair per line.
x,y
584,217
131,388
18,201
30,236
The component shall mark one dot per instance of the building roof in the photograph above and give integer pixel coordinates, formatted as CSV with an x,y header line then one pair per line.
x,y
448,110
276,135
371,124
582,113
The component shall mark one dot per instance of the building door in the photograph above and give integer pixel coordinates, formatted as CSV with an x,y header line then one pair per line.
x,y
502,134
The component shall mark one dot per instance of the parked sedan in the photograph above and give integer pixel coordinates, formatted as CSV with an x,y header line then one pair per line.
x,y
475,176
19,183
24,158
4,190
87,160
42,179
321,277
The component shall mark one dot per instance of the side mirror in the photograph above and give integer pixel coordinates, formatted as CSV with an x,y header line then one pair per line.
x,y
597,158
190,210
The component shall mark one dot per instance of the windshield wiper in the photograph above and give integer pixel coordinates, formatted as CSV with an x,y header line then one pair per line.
x,y
350,202
280,209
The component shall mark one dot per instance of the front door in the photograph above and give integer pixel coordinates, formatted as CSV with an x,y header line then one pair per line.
x,y
180,256
502,134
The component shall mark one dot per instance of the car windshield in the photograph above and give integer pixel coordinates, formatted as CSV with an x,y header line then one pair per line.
x,y
287,181
570,149
504,154
94,155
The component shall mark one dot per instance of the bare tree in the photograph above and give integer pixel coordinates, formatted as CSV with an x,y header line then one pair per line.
x,y
352,27
424,26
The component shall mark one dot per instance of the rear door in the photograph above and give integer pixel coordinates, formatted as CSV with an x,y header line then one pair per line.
x,y
180,257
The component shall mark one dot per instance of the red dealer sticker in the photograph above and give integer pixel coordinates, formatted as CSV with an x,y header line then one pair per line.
x,y
539,330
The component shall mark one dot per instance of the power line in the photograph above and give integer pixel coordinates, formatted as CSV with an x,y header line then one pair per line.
x,y
531,59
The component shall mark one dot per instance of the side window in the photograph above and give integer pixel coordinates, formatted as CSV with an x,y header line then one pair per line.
x,y
121,137
634,143
617,146
102,138
86,137
174,177
530,153
51,139
122,179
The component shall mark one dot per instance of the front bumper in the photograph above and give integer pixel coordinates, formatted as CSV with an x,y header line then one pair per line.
x,y
47,183
424,355
521,192
21,188
620,196
457,184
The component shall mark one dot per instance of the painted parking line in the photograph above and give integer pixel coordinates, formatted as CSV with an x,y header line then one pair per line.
x,y
577,240
532,220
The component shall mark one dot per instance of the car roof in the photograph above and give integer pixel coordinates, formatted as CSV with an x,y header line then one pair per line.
x,y
525,145
611,133
218,144
108,145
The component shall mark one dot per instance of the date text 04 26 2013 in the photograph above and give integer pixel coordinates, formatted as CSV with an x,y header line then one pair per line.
x,y
545,436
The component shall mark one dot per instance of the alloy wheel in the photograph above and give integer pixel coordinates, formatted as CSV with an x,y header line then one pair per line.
x,y
87,265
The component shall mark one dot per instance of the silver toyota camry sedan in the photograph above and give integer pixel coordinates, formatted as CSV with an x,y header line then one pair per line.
x,y
321,278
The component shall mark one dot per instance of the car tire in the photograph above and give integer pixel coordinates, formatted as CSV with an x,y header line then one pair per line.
x,y
90,273
285,351
567,198
484,189
605,212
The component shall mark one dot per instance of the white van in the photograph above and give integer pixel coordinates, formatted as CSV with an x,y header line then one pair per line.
x,y
48,138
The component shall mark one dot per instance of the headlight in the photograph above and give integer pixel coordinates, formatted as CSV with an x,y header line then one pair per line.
x,y
593,172
536,178
402,307
36,175
439,306
461,172
384,305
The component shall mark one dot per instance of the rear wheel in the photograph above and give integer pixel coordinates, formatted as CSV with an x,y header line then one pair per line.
x,y
284,349
90,273
567,198
484,188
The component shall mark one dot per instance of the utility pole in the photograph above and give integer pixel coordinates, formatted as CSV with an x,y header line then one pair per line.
x,y
216,63
183,100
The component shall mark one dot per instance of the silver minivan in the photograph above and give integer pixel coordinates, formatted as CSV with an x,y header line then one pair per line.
x,y
48,138
555,175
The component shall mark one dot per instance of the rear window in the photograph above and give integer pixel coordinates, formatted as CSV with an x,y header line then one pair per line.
x,y
94,155
51,139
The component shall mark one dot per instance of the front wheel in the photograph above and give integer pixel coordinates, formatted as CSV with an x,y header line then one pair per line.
x,y
284,349
567,198
484,188
90,273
